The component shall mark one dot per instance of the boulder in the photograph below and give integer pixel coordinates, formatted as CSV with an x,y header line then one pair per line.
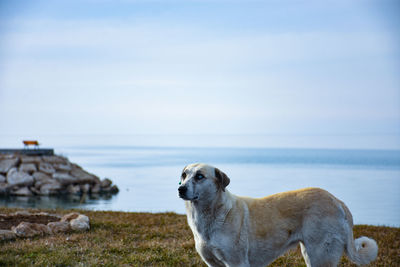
x,y
96,189
2,179
18,178
40,176
13,169
31,159
41,179
65,178
34,190
27,167
7,235
106,183
59,227
114,189
46,168
26,229
81,223
111,189
83,175
50,188
8,163
23,191
73,189
85,188
55,159
4,188
70,216
63,167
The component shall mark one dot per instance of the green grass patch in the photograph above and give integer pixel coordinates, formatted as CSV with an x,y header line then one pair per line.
x,y
147,239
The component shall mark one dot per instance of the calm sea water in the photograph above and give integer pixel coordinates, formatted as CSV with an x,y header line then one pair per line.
x,y
147,171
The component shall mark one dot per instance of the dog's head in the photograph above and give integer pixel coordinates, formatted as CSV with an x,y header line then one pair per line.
x,y
200,181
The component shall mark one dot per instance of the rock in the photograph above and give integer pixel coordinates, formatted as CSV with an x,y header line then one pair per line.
x,y
40,176
50,188
26,229
4,188
64,178
7,164
85,188
42,179
7,235
96,189
13,169
31,159
2,178
114,189
106,183
81,223
55,159
63,167
18,178
73,189
59,227
70,216
27,167
24,191
34,190
83,175
46,168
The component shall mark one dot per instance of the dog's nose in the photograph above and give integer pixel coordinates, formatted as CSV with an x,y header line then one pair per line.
x,y
182,190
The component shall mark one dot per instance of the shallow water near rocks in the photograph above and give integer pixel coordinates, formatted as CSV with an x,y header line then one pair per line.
x,y
366,176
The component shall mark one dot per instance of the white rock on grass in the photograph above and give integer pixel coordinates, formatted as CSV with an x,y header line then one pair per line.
x,y
81,223
7,235
26,229
59,227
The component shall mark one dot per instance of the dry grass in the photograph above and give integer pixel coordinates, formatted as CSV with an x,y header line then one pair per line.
x,y
145,239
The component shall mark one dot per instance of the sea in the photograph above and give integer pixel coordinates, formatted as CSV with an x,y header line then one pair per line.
x,y
362,171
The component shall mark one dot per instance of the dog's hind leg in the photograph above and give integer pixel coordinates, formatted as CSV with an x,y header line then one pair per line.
x,y
322,254
305,255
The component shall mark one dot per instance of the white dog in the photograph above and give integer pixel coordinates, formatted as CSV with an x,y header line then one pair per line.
x,y
241,231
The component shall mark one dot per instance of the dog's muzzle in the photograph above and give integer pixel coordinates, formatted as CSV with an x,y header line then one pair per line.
x,y
182,191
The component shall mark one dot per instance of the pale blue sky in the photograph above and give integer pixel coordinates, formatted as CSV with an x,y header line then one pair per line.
x,y
199,67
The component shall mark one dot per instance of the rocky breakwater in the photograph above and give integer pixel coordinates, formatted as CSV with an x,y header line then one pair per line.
x,y
23,175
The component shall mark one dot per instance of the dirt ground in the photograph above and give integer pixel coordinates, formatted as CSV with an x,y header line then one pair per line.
x,y
7,221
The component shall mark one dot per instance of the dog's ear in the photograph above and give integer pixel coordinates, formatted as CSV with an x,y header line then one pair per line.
x,y
222,179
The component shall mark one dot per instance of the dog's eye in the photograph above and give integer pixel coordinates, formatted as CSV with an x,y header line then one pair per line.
x,y
199,176
184,175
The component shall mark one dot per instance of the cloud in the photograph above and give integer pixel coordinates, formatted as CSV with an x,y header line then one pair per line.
x,y
160,76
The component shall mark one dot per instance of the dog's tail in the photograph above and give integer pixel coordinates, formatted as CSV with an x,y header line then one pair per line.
x,y
363,250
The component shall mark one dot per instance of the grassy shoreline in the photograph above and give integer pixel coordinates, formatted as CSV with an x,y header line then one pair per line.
x,y
149,239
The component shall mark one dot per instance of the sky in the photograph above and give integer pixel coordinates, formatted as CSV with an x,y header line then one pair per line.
x,y
200,67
